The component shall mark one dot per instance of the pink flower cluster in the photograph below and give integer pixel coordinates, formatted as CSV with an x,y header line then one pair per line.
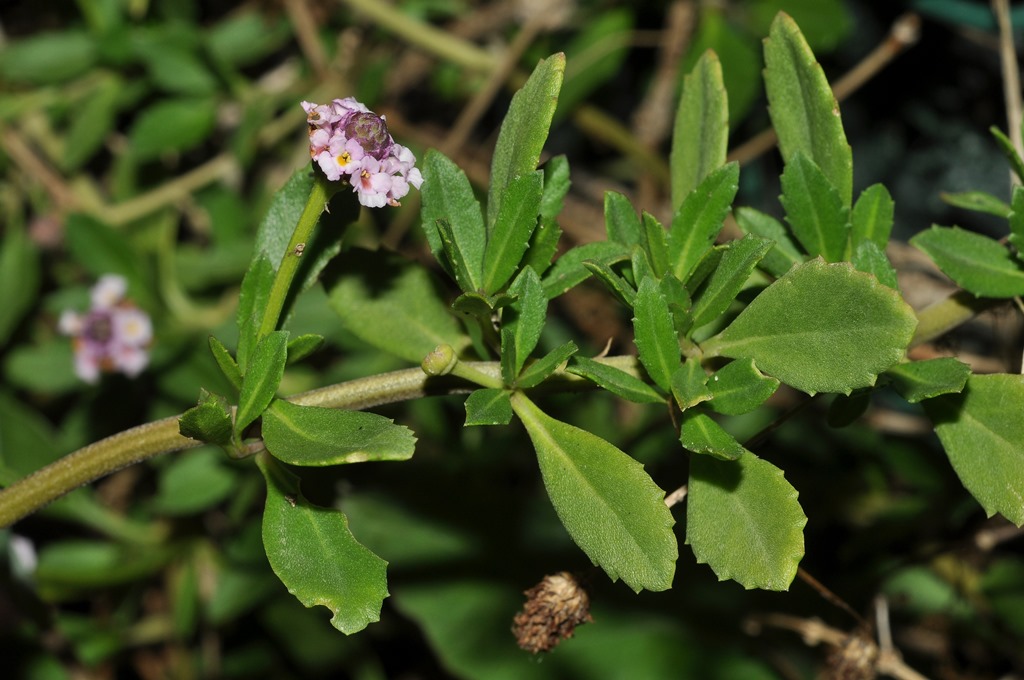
x,y
350,142
113,336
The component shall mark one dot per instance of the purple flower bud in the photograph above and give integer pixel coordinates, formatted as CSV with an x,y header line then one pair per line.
x,y
371,132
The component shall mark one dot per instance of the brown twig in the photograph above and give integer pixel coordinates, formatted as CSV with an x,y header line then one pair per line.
x,y
306,35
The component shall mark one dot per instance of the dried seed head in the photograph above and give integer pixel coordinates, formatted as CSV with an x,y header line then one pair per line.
x,y
856,659
553,609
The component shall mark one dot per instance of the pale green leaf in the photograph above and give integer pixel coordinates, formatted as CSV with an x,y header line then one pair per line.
x,y
869,259
609,505
743,520
700,135
872,217
804,111
977,263
699,433
313,552
699,218
1017,221
978,201
621,222
738,387
262,378
655,334
488,407
655,242
448,195
821,328
689,384
739,258
316,436
781,258
815,213
226,362
1010,151
616,381
983,433
568,270
535,373
513,225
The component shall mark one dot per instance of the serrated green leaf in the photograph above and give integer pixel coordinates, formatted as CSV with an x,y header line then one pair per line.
x,y
448,195
535,373
488,407
615,283
226,362
689,384
978,201
523,132
510,234
313,552
814,210
621,222
556,186
1010,151
700,135
981,430
869,259
919,380
315,436
700,434
738,387
568,270
609,505
699,218
543,245
208,421
301,346
521,323
655,334
655,242
804,111
820,328
392,304
739,259
743,520
262,378
466,272
872,217
781,258
172,126
977,263
616,381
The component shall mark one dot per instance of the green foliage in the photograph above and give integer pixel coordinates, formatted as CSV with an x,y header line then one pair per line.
x,y
616,381
262,378
919,380
488,407
699,219
701,133
655,338
977,263
814,210
738,387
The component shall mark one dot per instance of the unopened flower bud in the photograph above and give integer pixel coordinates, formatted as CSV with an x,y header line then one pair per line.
x,y
371,132
440,361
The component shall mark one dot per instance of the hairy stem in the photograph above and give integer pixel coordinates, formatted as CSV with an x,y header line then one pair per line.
x,y
153,439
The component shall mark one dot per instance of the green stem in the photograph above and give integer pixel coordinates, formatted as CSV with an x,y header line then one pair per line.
x,y
320,193
152,439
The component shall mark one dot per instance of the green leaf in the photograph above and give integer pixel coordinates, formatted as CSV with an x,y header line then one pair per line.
x,y
301,346
872,217
655,334
978,201
262,378
535,373
655,242
194,482
47,58
616,381
620,220
977,263
785,254
521,323
466,273
738,387
19,278
689,384
869,259
556,186
815,213
615,283
226,362
93,121
313,552
919,380
543,245
315,436
569,271
448,195
392,304
737,264
700,434
208,421
804,111
981,430
1010,151
699,218
744,521
252,302
512,228
488,407
820,328
44,367
740,57
700,135
174,67
102,250
172,126
1017,221
609,505
246,36
595,55
523,132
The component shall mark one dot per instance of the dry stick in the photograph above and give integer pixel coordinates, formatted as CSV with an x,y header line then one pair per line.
x,y
904,33
33,166
829,596
306,33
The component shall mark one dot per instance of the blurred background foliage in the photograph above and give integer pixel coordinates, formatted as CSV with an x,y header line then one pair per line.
x,y
144,137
